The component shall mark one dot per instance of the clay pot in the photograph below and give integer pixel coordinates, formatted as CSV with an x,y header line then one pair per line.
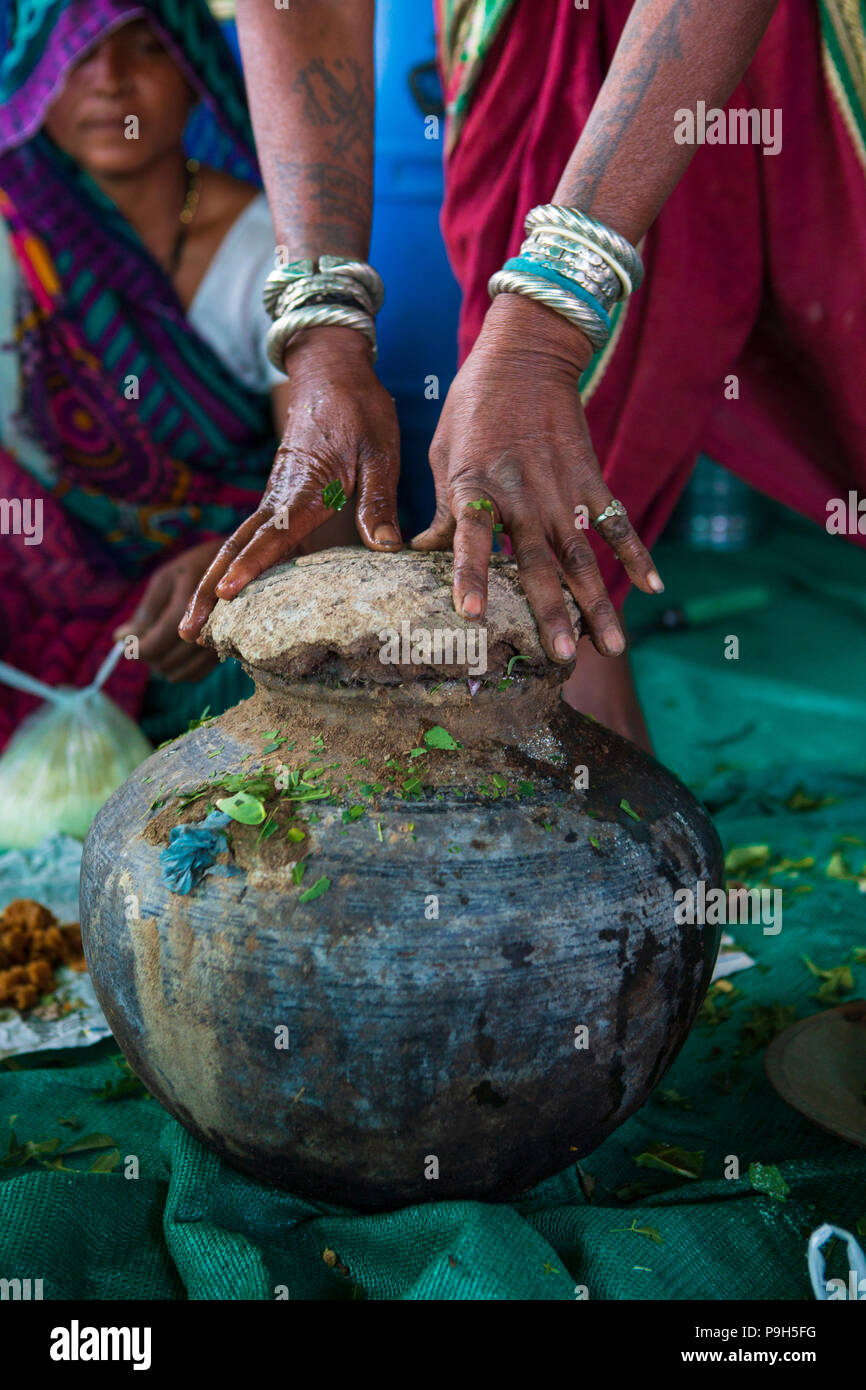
x,y
493,979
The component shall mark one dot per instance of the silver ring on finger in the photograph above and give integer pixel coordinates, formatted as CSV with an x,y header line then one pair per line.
x,y
612,509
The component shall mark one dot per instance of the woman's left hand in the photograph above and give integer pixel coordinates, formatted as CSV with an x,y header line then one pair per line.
x,y
161,608
513,448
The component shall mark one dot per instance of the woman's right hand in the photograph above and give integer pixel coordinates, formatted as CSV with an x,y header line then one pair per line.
x,y
341,428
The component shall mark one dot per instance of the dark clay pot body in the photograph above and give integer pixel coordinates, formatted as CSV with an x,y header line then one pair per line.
x,y
412,1037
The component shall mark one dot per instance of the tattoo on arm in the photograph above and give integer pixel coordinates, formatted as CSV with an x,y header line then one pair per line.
x,y
641,53
327,201
337,97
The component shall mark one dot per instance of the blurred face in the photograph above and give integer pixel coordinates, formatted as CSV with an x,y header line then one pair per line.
x,y
125,104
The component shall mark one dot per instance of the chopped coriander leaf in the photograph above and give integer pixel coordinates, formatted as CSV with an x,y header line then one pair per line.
x,y
333,496
243,808
437,737
319,887
766,1178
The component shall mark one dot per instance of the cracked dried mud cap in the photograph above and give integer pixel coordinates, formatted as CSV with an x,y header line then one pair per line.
x,y
330,616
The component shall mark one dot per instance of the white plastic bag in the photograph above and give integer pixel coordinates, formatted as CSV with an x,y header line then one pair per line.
x,y
65,760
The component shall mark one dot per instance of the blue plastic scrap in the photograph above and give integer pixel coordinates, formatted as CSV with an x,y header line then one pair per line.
x,y
191,851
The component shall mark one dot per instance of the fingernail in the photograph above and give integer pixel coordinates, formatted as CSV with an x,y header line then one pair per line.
x,y
613,640
386,535
563,646
472,606
655,582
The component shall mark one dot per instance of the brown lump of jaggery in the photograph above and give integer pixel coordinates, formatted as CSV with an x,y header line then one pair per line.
x,y
32,943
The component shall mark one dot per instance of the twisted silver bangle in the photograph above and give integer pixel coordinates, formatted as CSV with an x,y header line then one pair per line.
x,y
354,275
568,305
302,291
284,329
360,271
601,237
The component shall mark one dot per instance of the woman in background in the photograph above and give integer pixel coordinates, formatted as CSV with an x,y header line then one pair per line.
x,y
137,404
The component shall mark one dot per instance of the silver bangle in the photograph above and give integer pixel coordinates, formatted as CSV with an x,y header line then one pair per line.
x,y
602,238
544,292
303,291
598,259
598,280
285,328
354,275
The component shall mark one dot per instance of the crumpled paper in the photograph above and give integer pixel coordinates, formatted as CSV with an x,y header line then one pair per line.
x,y
731,958
49,874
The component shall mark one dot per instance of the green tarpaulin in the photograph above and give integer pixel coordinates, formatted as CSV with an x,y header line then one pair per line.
x,y
778,729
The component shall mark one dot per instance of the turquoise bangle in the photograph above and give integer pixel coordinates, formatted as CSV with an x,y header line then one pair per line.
x,y
547,272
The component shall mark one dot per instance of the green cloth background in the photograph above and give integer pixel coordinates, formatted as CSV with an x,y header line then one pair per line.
x,y
791,712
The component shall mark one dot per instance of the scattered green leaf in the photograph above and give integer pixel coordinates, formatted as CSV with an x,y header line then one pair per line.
x,y
333,496
437,737
624,806
90,1141
800,800
319,887
243,808
685,1162
746,859
204,718
763,1023
836,981
651,1232
105,1163
766,1178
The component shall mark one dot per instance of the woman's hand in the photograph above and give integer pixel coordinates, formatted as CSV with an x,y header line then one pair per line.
x,y
513,434
162,604
341,428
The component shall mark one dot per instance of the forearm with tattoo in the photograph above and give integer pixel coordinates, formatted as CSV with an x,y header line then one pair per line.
x,y
672,53
311,90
